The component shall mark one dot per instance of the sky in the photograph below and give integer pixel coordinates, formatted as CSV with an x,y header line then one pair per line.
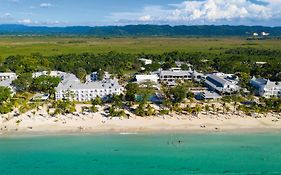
x,y
124,12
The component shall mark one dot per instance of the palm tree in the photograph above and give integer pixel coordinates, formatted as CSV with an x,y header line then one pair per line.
x,y
207,109
197,110
213,106
150,111
239,109
188,109
37,105
235,105
218,110
227,108
223,107
258,110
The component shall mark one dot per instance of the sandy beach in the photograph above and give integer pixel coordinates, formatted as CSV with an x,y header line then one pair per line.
x,y
41,122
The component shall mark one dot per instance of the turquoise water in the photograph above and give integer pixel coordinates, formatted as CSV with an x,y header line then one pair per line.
x,y
167,154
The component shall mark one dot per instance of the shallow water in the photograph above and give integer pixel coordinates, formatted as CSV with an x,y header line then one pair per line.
x,y
179,153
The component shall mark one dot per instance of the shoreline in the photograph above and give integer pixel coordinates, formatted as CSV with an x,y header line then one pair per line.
x,y
147,132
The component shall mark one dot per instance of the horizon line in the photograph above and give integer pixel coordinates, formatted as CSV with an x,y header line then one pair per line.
x,y
62,26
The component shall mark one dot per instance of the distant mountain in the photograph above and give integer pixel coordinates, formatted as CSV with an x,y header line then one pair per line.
x,y
140,30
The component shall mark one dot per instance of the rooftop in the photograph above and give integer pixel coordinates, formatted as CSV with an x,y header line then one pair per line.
x,y
175,72
70,81
7,74
266,82
218,81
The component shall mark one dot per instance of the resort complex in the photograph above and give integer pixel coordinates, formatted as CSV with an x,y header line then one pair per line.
x,y
140,87
170,89
214,85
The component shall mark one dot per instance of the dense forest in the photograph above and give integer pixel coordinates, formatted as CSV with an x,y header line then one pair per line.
x,y
238,61
140,30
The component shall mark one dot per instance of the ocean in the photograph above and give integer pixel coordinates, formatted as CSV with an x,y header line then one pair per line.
x,y
142,154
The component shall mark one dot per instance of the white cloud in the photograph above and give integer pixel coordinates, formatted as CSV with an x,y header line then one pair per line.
x,y
45,5
206,12
6,17
26,21
145,18
39,23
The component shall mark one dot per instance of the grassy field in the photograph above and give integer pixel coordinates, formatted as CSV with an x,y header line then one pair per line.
x,y
59,45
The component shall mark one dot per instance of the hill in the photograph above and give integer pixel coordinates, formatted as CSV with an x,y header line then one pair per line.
x,y
139,30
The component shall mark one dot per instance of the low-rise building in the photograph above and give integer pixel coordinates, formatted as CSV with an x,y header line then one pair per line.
x,y
207,95
264,34
49,73
7,79
145,78
222,83
146,61
7,75
40,97
72,89
152,79
181,63
266,88
177,74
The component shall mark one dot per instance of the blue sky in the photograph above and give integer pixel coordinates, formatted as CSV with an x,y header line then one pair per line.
x,y
122,12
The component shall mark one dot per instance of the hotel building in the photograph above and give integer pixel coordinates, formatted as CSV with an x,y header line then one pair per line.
x,y
266,88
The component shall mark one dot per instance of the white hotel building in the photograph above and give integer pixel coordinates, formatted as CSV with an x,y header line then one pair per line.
x,y
222,83
6,80
71,88
266,88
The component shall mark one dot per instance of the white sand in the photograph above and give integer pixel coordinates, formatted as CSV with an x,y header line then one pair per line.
x,y
41,122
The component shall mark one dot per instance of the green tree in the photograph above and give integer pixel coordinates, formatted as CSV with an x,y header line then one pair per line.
x,y
214,108
207,109
150,110
140,111
5,94
197,110
64,107
117,100
223,107
184,67
131,91
94,109
244,80
81,74
6,108
23,82
96,101
178,93
100,74
45,84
